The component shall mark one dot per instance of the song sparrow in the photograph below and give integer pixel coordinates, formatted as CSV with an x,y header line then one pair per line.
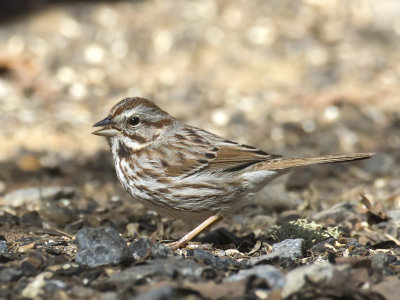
x,y
186,172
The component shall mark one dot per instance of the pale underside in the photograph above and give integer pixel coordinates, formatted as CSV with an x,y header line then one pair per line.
x,y
200,174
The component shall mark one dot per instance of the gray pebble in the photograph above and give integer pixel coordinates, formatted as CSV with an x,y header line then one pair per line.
x,y
290,248
285,251
140,248
221,263
100,246
159,268
10,274
272,275
3,245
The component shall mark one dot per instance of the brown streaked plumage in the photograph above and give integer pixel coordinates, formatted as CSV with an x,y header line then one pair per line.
x,y
186,172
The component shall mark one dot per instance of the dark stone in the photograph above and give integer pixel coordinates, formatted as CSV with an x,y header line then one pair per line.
x,y
100,246
143,247
159,269
209,273
161,251
31,219
274,278
382,260
225,238
10,274
140,249
33,264
55,212
322,247
206,258
8,219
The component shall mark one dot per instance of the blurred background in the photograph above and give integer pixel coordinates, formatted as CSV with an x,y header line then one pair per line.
x,y
296,78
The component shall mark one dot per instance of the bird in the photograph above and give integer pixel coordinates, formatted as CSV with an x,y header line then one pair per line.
x,y
185,172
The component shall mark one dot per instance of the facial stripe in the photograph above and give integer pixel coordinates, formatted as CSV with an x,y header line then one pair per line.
x,y
135,137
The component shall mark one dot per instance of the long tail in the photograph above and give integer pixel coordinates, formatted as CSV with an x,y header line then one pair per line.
x,y
285,163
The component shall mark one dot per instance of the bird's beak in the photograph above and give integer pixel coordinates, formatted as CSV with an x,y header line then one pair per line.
x,y
108,129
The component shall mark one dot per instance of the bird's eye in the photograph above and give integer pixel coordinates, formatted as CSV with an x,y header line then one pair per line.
x,y
134,121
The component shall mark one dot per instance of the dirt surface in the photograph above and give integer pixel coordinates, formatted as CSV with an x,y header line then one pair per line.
x,y
297,78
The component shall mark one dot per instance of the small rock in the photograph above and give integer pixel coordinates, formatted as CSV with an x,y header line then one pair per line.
x,y
290,248
33,195
381,260
100,246
8,219
283,252
161,251
81,292
31,219
318,274
272,275
54,211
165,291
32,264
53,284
3,245
159,268
10,274
270,258
207,258
336,214
323,246
140,248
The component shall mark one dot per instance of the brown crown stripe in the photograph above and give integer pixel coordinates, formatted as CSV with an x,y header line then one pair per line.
x,y
130,103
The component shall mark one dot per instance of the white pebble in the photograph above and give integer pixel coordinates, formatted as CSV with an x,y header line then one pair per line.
x,y
94,54
78,91
331,113
220,117
66,74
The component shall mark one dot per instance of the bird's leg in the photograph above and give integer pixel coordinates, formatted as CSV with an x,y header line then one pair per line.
x,y
195,232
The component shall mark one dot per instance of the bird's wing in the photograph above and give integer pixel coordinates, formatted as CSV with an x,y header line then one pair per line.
x,y
204,151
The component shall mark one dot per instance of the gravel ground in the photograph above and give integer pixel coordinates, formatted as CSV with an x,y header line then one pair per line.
x,y
295,78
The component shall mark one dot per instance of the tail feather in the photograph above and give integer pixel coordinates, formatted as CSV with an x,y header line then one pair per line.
x,y
285,163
